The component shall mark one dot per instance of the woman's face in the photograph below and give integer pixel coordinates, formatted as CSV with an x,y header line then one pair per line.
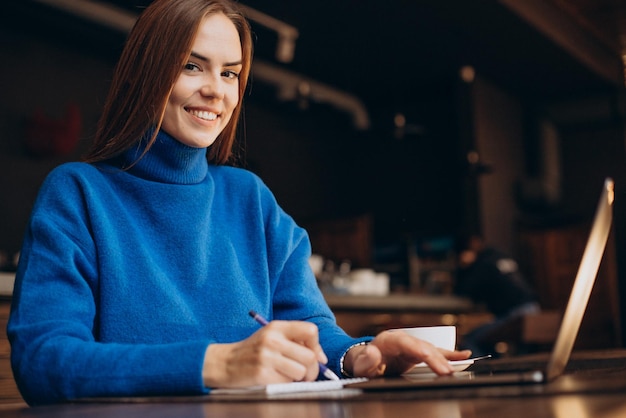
x,y
207,89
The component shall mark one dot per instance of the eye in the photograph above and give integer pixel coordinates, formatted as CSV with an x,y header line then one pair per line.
x,y
231,75
190,66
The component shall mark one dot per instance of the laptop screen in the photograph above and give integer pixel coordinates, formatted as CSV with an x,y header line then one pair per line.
x,y
583,284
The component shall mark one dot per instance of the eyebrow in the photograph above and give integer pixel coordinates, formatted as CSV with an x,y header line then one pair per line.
x,y
205,59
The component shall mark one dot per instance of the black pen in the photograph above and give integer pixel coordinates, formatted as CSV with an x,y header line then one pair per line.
x,y
325,371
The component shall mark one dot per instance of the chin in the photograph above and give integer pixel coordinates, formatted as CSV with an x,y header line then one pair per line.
x,y
198,143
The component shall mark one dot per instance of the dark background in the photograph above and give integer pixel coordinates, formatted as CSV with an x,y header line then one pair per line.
x,y
398,56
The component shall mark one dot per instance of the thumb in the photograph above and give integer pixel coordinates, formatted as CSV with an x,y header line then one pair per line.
x,y
368,363
321,356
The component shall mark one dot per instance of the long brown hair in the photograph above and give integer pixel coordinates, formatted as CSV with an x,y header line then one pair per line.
x,y
155,52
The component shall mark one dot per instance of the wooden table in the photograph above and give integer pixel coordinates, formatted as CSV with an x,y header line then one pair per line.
x,y
595,387
570,406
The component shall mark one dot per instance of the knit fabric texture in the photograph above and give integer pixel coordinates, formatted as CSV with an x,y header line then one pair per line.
x,y
127,275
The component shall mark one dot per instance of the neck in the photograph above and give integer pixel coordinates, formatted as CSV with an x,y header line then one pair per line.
x,y
167,161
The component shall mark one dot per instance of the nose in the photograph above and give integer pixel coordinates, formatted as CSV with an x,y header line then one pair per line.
x,y
212,86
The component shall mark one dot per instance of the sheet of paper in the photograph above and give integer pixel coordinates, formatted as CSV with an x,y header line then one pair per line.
x,y
293,387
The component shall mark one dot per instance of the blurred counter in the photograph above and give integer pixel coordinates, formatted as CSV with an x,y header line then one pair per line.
x,y
402,302
368,315
6,284
8,389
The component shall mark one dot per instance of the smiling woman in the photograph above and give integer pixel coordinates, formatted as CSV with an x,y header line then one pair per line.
x,y
158,48
140,263
206,93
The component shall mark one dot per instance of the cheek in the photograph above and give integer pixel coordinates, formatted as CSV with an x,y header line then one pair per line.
x,y
233,98
176,97
182,90
170,113
177,100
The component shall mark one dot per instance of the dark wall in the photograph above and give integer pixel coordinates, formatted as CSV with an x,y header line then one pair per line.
x,y
316,162
39,75
321,167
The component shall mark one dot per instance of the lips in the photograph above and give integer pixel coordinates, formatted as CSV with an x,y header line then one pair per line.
x,y
203,114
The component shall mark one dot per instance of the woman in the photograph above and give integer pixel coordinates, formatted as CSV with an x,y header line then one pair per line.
x,y
141,263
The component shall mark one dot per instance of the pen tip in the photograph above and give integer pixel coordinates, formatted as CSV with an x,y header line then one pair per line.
x,y
252,313
330,375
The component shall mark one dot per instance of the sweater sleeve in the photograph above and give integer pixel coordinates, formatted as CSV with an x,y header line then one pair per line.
x,y
55,352
297,295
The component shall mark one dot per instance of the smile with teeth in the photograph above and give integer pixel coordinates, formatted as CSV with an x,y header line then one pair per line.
x,y
203,114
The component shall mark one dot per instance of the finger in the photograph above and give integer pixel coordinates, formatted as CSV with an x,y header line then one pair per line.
x,y
289,343
306,334
302,361
402,351
294,370
246,363
320,354
456,355
437,362
418,350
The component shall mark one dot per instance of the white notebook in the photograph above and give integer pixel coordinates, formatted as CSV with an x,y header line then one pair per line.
x,y
292,387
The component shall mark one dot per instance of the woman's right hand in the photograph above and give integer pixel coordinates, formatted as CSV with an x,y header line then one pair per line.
x,y
280,352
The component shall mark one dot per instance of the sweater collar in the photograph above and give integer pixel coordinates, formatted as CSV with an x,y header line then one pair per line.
x,y
168,161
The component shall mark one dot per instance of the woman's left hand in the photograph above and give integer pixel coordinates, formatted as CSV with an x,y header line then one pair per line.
x,y
394,352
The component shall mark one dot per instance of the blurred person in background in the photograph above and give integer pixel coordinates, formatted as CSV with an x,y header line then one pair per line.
x,y
491,278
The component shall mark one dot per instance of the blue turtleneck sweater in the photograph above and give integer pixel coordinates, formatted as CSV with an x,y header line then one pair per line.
x,y
126,276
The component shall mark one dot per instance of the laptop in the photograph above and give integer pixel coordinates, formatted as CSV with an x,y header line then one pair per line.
x,y
568,330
